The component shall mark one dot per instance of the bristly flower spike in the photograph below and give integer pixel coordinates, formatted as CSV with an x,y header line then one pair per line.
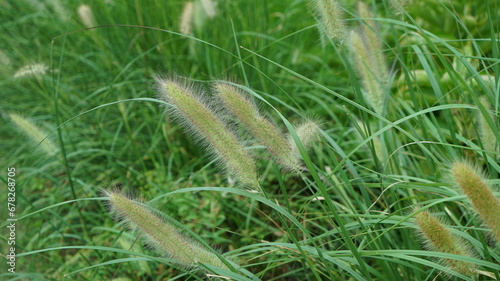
x,y
161,234
35,133
244,108
484,202
198,118
437,236
308,132
330,17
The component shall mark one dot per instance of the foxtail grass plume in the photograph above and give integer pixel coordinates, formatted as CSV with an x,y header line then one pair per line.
x,y
484,202
86,15
203,10
209,7
244,108
330,17
4,59
487,134
197,118
34,133
186,21
161,234
308,132
368,59
370,31
372,90
437,237
29,70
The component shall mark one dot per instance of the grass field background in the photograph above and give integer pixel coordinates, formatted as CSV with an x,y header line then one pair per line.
x,y
87,121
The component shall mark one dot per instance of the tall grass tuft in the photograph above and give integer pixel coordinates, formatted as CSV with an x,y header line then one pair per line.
x,y
436,236
245,109
484,202
161,234
198,118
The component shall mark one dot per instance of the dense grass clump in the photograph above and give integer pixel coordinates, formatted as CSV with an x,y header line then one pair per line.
x,y
321,163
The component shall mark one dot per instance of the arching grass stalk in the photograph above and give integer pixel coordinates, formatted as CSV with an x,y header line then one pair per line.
x,y
161,234
198,118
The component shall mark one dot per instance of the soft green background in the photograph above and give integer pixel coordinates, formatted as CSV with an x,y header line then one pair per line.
x,y
353,208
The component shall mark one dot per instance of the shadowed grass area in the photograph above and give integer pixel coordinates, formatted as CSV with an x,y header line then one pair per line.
x,y
87,96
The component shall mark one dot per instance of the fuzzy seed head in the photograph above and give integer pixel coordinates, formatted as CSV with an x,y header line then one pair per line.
x,y
370,33
209,7
86,15
484,202
198,118
36,69
244,108
308,132
438,237
186,23
160,234
373,91
34,133
487,134
4,58
59,10
330,17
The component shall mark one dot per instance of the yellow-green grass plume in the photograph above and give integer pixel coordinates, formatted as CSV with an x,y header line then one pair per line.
x,y
484,202
161,234
195,115
437,237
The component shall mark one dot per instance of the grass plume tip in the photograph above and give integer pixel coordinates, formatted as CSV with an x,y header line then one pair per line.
x,y
86,15
308,132
329,15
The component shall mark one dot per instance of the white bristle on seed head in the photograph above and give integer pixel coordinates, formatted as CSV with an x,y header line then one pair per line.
x,y
86,15
31,70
